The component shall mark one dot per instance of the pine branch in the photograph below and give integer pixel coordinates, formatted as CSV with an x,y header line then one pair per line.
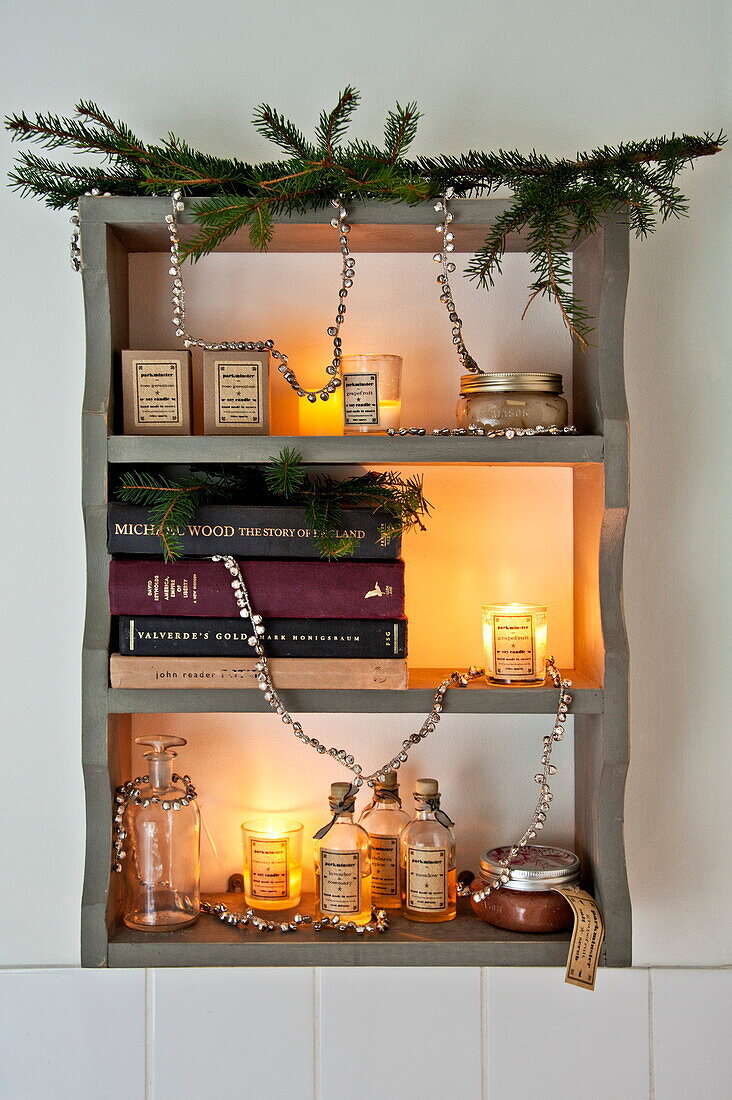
x,y
285,476
555,201
171,506
333,124
400,131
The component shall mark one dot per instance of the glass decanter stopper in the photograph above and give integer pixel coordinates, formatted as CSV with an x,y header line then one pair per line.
x,y
162,865
384,820
428,869
343,861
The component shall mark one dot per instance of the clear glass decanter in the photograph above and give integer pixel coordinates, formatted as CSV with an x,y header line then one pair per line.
x,y
384,820
428,868
343,861
162,865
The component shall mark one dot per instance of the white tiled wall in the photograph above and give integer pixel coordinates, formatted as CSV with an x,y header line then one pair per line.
x,y
355,1034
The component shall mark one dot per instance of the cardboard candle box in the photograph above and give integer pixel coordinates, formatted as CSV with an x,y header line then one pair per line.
x,y
156,392
236,393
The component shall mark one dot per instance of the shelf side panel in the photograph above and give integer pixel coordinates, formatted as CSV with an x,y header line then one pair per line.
x,y
602,742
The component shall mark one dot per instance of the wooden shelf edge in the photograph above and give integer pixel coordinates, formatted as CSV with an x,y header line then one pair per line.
x,y
466,941
560,450
477,698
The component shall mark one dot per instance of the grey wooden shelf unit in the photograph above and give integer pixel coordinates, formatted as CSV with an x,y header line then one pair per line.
x,y
112,228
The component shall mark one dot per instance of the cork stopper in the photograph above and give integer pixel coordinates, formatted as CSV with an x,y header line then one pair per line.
x,y
390,782
428,787
338,791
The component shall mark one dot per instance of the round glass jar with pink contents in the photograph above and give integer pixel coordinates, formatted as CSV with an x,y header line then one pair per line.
x,y
511,401
528,902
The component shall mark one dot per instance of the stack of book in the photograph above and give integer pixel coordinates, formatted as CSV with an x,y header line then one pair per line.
x,y
328,624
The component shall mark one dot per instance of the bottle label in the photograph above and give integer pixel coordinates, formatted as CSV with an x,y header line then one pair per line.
x,y
513,645
340,881
361,398
385,865
157,391
427,879
268,867
238,392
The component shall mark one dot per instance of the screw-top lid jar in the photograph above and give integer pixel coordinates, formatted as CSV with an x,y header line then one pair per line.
x,y
511,400
535,868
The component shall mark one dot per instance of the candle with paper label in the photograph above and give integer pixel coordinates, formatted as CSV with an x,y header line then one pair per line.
x,y
372,400
514,639
272,863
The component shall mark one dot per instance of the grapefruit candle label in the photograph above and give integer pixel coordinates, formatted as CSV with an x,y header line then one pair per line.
x,y
340,881
513,645
361,398
157,392
238,392
385,865
426,879
268,862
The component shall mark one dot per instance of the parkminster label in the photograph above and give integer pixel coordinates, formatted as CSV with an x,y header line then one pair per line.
x,y
385,865
513,645
361,398
268,863
238,392
157,391
427,879
340,881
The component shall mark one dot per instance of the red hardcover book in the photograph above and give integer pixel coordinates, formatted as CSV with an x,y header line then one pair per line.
x,y
281,589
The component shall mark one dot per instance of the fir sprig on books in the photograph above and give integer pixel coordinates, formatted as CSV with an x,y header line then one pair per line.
x,y
172,503
554,201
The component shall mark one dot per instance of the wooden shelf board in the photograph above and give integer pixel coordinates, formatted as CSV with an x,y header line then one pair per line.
x,y
478,698
465,941
138,223
563,450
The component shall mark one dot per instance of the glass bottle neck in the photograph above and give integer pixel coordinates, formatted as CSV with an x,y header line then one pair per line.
x,y
425,815
344,818
379,805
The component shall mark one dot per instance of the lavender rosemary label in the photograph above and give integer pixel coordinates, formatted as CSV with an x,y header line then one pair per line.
x,y
361,398
238,397
513,645
340,881
385,865
268,864
427,879
157,391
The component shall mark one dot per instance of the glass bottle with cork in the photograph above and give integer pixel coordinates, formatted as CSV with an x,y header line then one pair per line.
x,y
343,861
162,832
384,820
428,868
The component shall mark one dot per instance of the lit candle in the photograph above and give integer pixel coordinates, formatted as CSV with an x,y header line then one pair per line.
x,y
372,399
272,863
514,639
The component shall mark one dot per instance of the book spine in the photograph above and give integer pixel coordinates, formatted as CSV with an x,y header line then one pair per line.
x,y
135,673
147,636
269,531
278,589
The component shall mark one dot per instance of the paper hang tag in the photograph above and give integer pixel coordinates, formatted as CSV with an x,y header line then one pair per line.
x,y
587,936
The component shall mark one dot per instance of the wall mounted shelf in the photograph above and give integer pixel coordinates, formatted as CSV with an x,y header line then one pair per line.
x,y
112,228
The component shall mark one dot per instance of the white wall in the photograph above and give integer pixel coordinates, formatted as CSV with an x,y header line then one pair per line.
x,y
488,74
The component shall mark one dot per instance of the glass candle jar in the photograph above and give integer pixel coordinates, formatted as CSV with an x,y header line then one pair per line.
x,y
372,393
511,401
272,863
528,902
514,640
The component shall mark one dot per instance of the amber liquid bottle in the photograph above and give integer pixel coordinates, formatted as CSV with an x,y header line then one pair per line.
x,y
384,821
428,868
343,861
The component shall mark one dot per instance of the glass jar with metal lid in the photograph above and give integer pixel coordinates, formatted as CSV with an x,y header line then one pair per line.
x,y
528,902
511,401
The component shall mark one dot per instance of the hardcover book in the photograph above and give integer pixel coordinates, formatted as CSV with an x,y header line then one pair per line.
x,y
278,589
226,672
148,636
248,531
